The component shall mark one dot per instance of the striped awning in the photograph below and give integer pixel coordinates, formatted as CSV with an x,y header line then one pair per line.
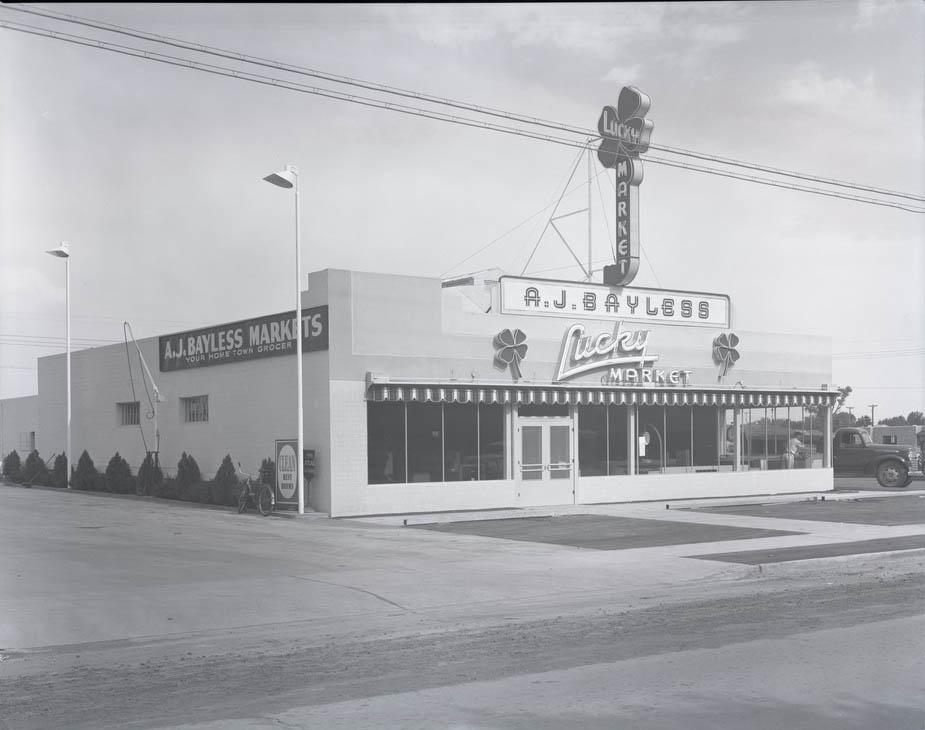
x,y
529,395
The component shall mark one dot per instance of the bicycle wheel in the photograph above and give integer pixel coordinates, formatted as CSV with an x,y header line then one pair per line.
x,y
242,500
265,501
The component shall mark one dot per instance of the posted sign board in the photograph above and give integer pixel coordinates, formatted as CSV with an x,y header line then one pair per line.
x,y
248,339
287,472
573,300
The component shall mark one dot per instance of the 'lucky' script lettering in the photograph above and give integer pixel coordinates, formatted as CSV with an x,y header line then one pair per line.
x,y
582,353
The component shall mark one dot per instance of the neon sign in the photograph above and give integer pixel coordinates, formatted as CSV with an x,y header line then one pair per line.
x,y
624,135
622,352
582,353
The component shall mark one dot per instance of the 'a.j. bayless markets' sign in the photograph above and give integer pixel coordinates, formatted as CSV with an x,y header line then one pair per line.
x,y
575,300
248,339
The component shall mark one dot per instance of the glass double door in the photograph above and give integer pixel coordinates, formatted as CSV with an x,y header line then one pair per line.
x,y
546,468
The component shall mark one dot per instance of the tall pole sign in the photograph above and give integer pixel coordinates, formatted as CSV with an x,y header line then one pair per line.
x,y
624,135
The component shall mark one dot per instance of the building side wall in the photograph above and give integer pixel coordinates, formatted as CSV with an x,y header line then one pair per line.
x,y
408,327
251,404
19,417
905,435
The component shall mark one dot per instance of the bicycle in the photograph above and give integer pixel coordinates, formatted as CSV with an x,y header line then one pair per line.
x,y
253,492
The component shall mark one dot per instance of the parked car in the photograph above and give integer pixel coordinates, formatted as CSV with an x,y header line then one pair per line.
x,y
855,453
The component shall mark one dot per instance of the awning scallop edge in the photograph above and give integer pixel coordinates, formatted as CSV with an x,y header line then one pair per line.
x,y
533,395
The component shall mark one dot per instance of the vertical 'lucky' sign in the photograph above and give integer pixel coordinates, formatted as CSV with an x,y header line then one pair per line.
x,y
625,134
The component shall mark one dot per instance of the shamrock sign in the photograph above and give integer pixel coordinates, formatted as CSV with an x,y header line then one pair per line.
x,y
625,135
510,350
623,130
724,353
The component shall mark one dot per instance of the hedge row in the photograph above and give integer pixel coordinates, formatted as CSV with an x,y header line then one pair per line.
x,y
35,470
187,485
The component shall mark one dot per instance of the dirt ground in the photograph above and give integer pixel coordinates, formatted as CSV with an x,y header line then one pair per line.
x,y
590,641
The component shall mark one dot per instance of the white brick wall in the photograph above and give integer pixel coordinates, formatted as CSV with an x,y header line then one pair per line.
x,y
348,447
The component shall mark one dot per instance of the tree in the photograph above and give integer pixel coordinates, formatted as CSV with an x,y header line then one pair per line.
x,y
118,475
86,475
150,477
892,421
843,394
916,418
843,419
12,466
267,471
863,422
34,471
225,486
59,472
188,474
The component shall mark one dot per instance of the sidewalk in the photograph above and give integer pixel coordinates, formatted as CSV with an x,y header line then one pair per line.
x,y
654,508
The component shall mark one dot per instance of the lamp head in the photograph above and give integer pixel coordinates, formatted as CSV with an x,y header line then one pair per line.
x,y
284,179
62,252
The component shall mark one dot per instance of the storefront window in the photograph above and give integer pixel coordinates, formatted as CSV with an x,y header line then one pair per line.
x,y
678,438
461,442
385,429
650,427
491,441
811,436
706,427
445,442
617,457
756,438
425,442
602,440
592,441
783,438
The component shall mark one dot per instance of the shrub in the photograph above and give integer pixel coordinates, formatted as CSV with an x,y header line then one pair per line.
x,y
168,489
225,486
12,466
199,492
187,473
86,476
58,476
119,476
267,471
34,471
150,477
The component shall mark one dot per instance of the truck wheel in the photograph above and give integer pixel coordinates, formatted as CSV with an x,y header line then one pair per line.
x,y
891,474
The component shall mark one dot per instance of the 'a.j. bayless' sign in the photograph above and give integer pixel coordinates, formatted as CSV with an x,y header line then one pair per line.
x,y
248,339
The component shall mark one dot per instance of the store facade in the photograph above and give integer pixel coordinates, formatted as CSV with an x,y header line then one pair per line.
x,y
422,395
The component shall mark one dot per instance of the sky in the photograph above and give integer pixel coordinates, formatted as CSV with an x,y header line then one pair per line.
x,y
153,172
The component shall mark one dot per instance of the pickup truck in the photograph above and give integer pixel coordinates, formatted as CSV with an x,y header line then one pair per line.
x,y
855,453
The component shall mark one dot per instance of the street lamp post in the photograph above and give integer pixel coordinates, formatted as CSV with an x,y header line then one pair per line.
x,y
64,252
289,178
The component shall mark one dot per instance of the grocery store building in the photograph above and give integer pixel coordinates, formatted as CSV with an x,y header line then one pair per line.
x,y
423,395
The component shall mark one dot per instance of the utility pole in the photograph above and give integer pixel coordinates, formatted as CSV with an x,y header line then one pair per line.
x,y
873,407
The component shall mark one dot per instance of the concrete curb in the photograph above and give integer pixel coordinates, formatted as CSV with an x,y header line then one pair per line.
x,y
428,518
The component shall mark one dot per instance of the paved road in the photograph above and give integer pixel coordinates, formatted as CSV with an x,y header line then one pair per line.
x,y
139,614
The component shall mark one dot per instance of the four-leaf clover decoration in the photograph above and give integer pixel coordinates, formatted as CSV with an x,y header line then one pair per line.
x,y
623,130
724,352
510,350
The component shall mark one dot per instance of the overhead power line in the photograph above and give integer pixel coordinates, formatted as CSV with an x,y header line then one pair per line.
x,y
429,98
414,111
